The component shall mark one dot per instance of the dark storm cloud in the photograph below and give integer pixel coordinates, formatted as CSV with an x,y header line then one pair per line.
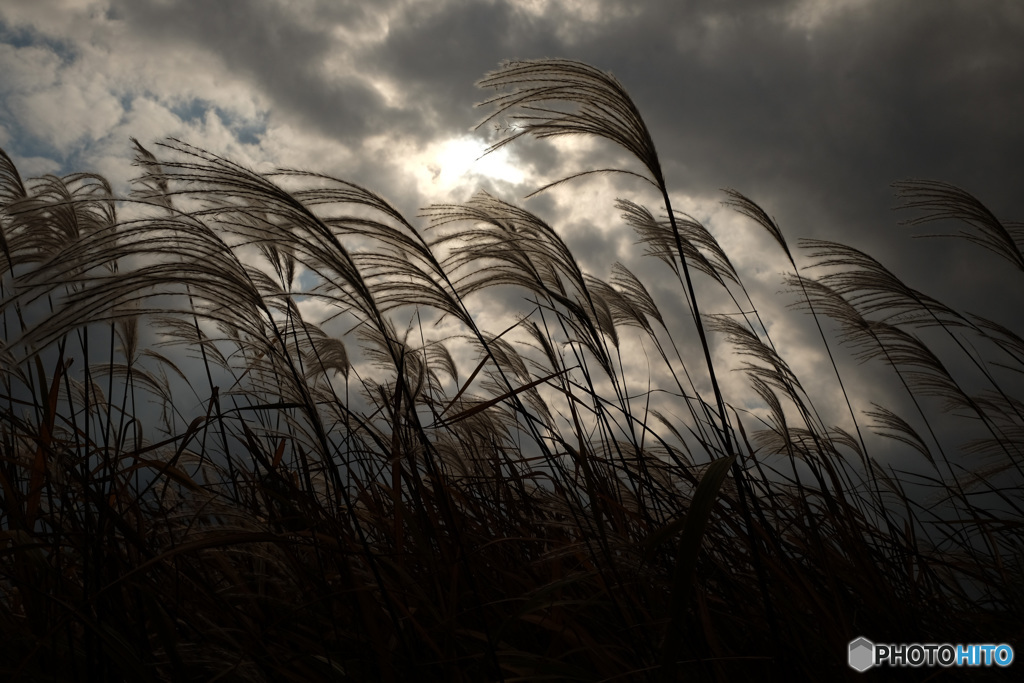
x,y
439,51
282,50
893,89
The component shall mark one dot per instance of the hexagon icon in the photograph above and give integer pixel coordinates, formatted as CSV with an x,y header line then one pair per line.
x,y
862,654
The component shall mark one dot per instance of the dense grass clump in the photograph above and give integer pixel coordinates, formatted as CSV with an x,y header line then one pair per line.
x,y
200,479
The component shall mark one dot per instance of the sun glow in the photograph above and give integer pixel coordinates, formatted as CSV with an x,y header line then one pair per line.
x,y
461,160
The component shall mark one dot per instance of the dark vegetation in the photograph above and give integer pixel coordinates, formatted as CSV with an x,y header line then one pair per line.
x,y
198,483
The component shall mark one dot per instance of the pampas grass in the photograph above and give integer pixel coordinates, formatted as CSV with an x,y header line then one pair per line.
x,y
199,482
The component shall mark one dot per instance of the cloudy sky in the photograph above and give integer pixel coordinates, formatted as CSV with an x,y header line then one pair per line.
x,y
810,107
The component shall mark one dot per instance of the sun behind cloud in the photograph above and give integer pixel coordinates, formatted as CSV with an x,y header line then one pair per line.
x,y
460,161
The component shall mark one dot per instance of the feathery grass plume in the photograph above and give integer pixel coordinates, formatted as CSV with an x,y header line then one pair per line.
x,y
753,211
942,201
597,102
11,186
658,235
891,425
11,189
871,288
639,300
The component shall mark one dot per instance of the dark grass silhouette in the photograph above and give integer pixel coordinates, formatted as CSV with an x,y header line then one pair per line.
x,y
198,483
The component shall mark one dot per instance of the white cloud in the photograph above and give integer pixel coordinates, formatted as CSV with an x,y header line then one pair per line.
x,y
64,114
69,18
27,68
31,167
